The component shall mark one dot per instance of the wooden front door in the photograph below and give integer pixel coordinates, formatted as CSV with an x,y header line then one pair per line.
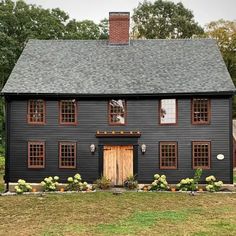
x,y
118,163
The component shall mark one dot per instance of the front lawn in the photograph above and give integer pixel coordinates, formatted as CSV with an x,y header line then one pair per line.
x,y
102,213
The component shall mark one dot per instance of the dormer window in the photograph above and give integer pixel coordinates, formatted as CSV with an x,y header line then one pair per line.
x,y
117,112
36,111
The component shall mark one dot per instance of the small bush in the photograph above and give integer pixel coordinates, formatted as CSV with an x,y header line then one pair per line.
x,y
190,184
50,183
159,183
22,187
103,183
75,184
212,185
186,185
131,182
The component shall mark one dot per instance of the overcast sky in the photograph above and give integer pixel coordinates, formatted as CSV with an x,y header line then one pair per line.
x,y
204,10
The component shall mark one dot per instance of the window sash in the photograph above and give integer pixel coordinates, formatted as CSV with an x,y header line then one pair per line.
x,y
67,155
168,155
201,154
68,112
36,111
36,154
117,114
168,111
201,111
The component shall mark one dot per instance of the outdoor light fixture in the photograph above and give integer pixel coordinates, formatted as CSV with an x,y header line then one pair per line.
x,y
143,148
92,148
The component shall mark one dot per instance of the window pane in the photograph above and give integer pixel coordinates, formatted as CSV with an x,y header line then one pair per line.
x,y
68,112
168,111
168,155
36,111
67,155
201,155
117,111
201,111
36,154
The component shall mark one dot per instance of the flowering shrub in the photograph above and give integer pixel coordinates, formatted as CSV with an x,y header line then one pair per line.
x,y
50,183
131,182
22,187
103,183
186,185
190,184
75,183
159,183
212,185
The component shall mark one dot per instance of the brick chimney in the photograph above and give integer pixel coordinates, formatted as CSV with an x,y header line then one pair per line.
x,y
119,28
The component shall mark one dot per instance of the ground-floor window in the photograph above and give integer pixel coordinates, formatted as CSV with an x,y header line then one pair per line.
x,y
67,154
36,154
168,155
201,154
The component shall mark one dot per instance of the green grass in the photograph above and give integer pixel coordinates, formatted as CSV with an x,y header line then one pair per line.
x,y
105,214
102,213
235,176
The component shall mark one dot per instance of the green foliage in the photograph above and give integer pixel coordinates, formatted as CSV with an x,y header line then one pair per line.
x,y
159,183
103,25
186,185
2,163
212,185
50,183
164,19
103,183
197,176
82,30
75,184
225,34
22,187
131,182
190,184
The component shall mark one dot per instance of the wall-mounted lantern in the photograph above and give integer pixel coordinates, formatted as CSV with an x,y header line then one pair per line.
x,y
92,148
143,148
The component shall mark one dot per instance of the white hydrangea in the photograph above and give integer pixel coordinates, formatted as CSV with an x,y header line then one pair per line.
x,y
156,176
56,178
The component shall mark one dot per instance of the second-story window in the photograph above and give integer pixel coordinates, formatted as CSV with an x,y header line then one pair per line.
x,y
36,111
117,112
68,112
168,113
200,111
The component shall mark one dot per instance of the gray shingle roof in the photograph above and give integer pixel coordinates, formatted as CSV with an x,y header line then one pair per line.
x,y
143,67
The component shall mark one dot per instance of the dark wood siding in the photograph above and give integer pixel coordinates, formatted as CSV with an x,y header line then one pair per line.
x,y
142,115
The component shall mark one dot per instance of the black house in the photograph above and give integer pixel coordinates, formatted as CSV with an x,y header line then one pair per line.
x,y
119,107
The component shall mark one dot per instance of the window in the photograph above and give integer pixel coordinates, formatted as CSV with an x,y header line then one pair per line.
x,y
67,155
68,112
117,112
36,111
168,155
168,113
200,111
36,154
201,152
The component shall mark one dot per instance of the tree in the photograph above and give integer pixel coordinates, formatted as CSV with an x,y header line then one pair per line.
x,y
82,30
164,19
225,34
104,31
